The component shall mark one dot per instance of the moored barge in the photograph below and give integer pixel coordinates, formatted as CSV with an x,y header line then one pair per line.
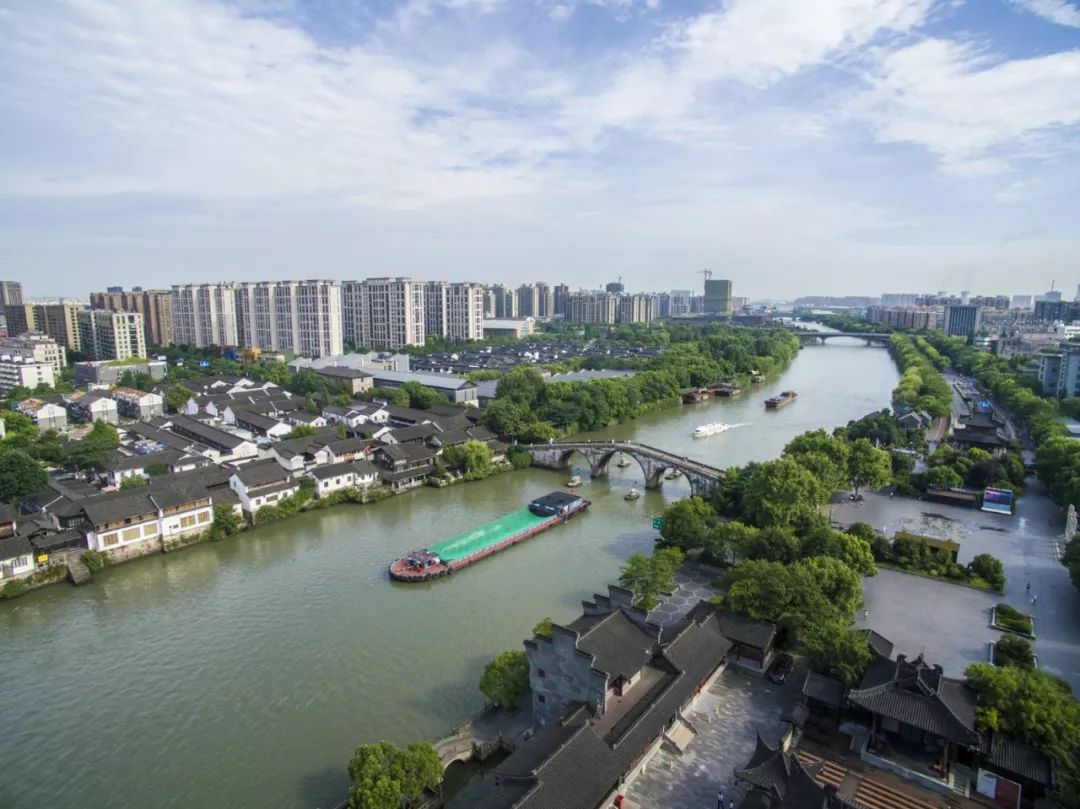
x,y
478,543
783,400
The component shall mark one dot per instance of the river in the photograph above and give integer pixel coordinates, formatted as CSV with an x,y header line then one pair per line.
x,y
243,673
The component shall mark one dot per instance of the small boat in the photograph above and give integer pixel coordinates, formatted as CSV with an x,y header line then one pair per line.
x,y
673,474
783,400
574,482
633,494
623,462
705,430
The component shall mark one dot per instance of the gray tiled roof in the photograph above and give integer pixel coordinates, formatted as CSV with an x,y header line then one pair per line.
x,y
823,689
205,433
921,696
746,631
13,546
1018,759
333,470
619,646
261,473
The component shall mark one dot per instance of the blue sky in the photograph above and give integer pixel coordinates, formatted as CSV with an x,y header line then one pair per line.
x,y
794,146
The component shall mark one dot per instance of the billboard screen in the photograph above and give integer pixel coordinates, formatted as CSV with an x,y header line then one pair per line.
x,y
998,501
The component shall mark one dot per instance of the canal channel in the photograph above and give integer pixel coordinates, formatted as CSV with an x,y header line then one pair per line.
x,y
243,673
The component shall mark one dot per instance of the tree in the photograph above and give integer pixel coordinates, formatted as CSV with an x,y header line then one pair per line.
x,y
20,475
868,466
1012,650
989,569
387,777
1035,708
506,417
851,549
18,425
93,451
649,576
824,455
522,385
506,678
472,457
542,629
301,431
836,650
226,522
176,396
732,536
421,396
687,522
841,586
780,492
139,380
133,482
944,477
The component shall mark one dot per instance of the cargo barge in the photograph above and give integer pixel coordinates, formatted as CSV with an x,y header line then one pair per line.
x,y
470,547
783,400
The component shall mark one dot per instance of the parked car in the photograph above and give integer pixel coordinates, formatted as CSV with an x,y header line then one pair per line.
x,y
781,668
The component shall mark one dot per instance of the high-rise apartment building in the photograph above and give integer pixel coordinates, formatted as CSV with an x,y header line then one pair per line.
x,y
10,293
61,322
111,335
528,301
561,299
21,317
545,300
592,307
680,302
454,311
615,287
717,297
916,318
1022,301
639,308
35,347
961,319
506,301
385,313
204,315
899,299
304,317
155,305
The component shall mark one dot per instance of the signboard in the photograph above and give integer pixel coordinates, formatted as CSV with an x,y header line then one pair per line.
x,y
997,501
657,523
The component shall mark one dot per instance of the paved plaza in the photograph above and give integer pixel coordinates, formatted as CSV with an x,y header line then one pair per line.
x,y
919,614
726,718
691,586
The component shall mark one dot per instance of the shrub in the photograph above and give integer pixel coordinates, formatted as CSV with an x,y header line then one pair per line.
x,y
1014,651
14,589
1011,618
519,458
94,560
990,569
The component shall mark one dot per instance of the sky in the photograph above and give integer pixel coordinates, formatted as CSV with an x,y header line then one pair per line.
x,y
793,146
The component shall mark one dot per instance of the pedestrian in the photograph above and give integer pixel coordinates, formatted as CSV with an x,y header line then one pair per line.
x,y
731,805
720,799
866,614
1029,588
1035,599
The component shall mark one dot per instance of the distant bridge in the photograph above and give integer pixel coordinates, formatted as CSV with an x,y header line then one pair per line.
x,y
653,462
822,336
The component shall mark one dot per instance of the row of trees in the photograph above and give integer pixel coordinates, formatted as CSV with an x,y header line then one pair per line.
x,y
24,453
529,409
921,386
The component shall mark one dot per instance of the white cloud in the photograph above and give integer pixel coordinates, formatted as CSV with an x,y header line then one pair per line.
x,y
971,110
752,42
1060,12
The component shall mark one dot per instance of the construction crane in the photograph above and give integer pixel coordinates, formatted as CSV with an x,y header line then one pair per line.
x,y
706,273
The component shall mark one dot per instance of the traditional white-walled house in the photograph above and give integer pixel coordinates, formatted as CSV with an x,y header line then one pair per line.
x,y
306,418
256,423
46,415
262,483
119,467
120,519
223,446
358,414
90,407
137,404
298,454
16,558
338,476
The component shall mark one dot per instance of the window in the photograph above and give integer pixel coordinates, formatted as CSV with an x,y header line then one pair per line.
x,y
109,540
188,521
131,533
149,530
204,516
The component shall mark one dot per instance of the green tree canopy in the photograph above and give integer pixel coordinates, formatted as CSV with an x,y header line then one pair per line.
x,y
506,678
1012,650
854,551
522,385
868,466
471,457
649,576
837,650
133,482
989,569
422,397
780,492
506,417
824,455
20,475
687,522
93,451
542,629
387,777
17,425
176,396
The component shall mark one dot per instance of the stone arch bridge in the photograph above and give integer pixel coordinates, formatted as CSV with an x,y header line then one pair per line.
x,y
871,338
653,462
